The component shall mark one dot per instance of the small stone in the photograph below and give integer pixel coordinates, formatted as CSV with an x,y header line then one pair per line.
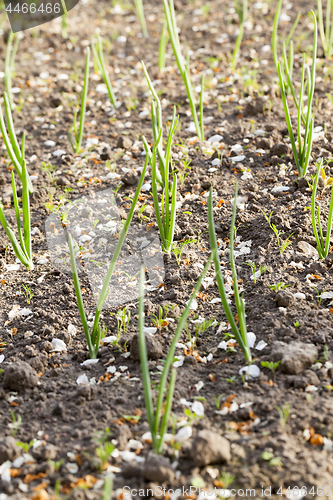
x,y
317,268
285,298
125,434
47,346
63,181
302,183
254,108
124,142
279,149
9,449
66,289
158,469
307,249
295,356
55,102
265,143
154,348
208,447
48,452
20,375
130,179
105,154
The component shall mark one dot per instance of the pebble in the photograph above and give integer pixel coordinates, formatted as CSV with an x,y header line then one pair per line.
x,y
208,447
154,348
307,249
285,298
158,469
295,356
20,375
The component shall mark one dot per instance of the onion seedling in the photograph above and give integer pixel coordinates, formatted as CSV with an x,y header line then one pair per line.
x,y
141,15
64,20
288,42
15,153
241,332
323,245
302,150
162,46
99,59
78,131
242,15
326,33
167,218
158,417
183,67
9,64
23,249
93,339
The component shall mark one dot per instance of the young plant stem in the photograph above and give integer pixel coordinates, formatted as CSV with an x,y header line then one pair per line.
x,y
323,246
141,15
93,339
240,335
78,133
162,46
99,59
242,15
15,153
183,68
23,249
326,34
157,423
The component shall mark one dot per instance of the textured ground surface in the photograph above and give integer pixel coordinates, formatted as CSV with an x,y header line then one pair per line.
x,y
41,385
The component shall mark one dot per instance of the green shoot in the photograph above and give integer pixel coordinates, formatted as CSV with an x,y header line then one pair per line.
x,y
162,47
15,153
284,413
10,64
141,15
255,274
323,245
326,33
57,464
217,400
242,15
279,286
23,249
16,422
93,339
281,244
227,479
241,333
184,67
28,294
270,365
99,59
78,130
158,417
64,20
288,44
107,488
177,249
301,149
25,446
167,218
160,320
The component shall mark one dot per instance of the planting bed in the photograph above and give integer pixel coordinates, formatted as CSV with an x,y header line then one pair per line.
x,y
264,433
